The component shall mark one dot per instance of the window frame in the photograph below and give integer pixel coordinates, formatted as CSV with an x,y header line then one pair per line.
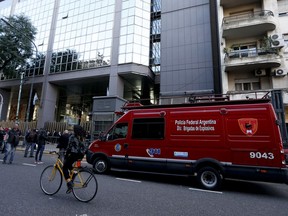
x,y
146,128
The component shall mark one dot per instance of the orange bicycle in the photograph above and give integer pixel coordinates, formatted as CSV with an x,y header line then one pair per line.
x,y
85,183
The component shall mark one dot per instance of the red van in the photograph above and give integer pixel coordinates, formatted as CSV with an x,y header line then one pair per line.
x,y
212,141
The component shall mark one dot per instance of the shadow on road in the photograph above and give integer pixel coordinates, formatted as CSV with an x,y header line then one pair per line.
x,y
229,185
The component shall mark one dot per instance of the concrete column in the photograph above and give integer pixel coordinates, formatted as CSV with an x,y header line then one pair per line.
x,y
49,93
48,108
116,84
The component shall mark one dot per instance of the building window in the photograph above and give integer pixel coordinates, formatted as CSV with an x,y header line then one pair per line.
x,y
148,128
134,32
282,7
244,50
247,84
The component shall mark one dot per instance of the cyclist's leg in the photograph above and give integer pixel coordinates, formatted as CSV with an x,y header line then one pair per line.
x,y
67,165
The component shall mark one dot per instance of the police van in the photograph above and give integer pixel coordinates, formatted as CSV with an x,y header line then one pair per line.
x,y
209,140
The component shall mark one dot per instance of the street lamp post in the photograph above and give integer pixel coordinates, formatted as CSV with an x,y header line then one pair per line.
x,y
33,76
19,95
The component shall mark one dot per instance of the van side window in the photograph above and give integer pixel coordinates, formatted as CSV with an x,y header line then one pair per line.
x,y
119,131
148,128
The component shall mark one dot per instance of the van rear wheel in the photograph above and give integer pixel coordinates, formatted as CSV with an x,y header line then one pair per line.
x,y
209,178
101,165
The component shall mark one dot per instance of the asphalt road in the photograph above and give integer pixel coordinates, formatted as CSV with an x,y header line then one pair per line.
x,y
126,193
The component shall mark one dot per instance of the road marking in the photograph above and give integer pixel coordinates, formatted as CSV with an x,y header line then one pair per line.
x,y
27,164
130,180
208,191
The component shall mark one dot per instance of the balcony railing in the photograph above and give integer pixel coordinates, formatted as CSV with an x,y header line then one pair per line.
x,y
247,16
250,53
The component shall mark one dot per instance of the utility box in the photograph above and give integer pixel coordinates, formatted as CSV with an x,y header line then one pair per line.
x,y
104,108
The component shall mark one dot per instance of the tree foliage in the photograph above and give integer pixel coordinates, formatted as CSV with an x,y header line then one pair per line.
x,y
15,43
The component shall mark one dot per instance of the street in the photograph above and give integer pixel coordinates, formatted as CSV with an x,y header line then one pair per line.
x,y
127,193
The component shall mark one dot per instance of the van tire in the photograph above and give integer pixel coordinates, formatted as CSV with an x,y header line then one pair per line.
x,y
101,165
209,178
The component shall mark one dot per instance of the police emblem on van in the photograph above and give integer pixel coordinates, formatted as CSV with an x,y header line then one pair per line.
x,y
117,147
248,126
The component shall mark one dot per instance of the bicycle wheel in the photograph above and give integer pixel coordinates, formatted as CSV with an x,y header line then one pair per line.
x,y
50,180
85,185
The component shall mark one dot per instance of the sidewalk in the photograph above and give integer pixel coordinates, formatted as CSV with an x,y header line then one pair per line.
x,y
49,148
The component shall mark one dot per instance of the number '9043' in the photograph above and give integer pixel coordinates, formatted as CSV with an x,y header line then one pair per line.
x,y
260,155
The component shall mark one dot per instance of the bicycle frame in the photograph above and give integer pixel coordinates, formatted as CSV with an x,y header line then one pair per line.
x,y
59,165
80,176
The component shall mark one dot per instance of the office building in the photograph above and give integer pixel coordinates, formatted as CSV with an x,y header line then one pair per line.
x,y
132,49
154,51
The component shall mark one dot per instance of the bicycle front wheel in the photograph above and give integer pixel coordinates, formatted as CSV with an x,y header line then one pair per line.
x,y
85,185
51,180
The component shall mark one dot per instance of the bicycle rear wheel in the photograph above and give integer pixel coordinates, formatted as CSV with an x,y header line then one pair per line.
x,y
51,180
85,185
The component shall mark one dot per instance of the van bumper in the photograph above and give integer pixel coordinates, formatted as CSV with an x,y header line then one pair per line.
x,y
264,174
286,175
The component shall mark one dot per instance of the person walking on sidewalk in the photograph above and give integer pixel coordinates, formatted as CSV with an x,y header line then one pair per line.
x,y
41,141
31,139
12,142
2,135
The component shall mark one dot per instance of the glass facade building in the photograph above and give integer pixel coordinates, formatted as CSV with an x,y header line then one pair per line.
x,y
132,49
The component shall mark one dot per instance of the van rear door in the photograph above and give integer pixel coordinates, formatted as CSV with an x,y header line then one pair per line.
x,y
252,135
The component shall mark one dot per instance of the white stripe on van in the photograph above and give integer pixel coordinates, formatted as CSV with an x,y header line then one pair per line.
x,y
163,159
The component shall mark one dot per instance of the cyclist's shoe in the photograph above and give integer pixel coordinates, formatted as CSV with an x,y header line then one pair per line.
x,y
69,187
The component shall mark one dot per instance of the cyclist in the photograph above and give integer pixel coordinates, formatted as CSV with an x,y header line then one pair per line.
x,y
75,151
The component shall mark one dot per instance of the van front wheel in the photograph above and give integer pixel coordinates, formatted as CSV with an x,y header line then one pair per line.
x,y
101,165
209,178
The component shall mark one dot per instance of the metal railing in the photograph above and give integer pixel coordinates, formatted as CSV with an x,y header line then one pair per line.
x,y
250,53
247,16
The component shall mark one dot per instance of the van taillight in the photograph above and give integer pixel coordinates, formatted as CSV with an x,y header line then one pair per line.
x,y
284,158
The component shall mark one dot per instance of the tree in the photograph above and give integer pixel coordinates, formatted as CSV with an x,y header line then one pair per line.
x,y
15,43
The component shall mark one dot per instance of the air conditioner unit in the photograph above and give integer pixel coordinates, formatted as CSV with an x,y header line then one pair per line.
x,y
277,40
279,72
260,72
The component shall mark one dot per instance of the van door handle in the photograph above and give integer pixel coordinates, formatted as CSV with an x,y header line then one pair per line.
x,y
125,145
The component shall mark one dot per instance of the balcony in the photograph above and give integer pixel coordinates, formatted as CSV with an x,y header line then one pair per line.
x,y
248,24
233,3
242,60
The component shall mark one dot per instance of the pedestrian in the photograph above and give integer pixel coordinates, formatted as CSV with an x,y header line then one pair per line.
x,y
31,139
63,143
2,135
88,136
5,140
41,141
75,151
12,142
